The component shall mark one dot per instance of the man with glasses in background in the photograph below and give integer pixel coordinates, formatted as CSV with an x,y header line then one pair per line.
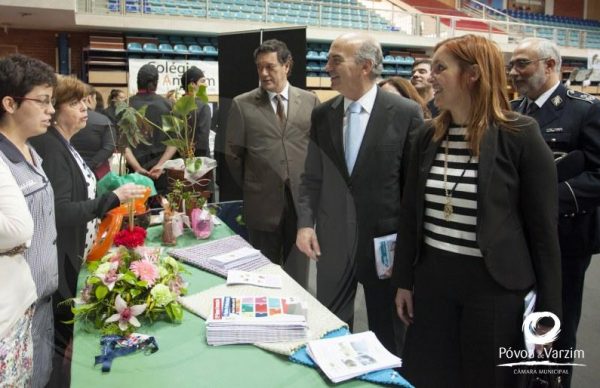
x,y
570,124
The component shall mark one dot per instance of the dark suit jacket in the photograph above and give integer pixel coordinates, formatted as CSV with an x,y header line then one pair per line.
x,y
569,121
350,210
73,208
516,211
262,157
200,120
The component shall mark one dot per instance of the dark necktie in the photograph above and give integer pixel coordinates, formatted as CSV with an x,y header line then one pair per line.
x,y
280,110
531,108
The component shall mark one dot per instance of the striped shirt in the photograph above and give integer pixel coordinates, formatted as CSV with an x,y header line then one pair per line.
x,y
458,233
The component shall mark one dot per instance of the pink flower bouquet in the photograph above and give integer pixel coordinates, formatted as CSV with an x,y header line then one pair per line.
x,y
130,286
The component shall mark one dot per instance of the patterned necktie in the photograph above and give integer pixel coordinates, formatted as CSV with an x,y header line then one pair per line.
x,y
352,137
280,110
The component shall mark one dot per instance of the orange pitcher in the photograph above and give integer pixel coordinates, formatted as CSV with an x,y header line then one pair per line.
x,y
111,224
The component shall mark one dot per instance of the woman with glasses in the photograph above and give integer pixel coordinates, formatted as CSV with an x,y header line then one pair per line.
x,y
26,90
478,226
77,206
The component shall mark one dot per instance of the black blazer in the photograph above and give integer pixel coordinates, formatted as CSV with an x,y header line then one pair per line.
x,y
517,211
350,210
73,208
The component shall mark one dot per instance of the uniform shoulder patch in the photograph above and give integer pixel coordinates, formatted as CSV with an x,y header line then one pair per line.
x,y
581,96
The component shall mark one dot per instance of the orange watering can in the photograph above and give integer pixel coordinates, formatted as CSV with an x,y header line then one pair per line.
x,y
111,224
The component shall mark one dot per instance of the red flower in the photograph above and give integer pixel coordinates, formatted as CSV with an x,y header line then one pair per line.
x,y
132,239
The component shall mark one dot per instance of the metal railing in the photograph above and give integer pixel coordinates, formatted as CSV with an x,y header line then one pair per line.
x,y
336,15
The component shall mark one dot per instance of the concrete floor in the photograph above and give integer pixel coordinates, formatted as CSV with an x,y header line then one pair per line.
x,y
589,328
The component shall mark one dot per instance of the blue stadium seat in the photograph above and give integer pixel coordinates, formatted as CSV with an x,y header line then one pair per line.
x,y
181,49
150,48
134,47
194,49
210,51
312,55
165,48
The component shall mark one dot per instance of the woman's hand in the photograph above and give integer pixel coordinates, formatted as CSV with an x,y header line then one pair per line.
x,y
129,191
404,305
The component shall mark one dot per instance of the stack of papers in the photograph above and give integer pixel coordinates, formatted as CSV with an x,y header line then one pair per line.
x,y
235,259
345,357
251,319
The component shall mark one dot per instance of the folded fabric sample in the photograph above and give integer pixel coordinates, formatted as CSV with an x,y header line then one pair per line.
x,y
200,256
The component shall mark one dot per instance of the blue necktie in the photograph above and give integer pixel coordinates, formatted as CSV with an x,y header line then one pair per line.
x,y
353,138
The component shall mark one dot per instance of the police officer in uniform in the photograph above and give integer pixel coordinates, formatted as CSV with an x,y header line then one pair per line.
x,y
570,124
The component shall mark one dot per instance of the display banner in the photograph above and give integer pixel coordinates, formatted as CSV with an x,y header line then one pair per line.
x,y
170,71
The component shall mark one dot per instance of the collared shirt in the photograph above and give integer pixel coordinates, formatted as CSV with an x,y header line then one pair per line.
x,y
285,94
366,102
541,100
41,255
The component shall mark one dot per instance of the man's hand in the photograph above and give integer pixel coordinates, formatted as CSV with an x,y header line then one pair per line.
x,y
155,172
404,305
307,243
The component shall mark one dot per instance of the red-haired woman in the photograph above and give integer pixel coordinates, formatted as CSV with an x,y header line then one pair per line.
x,y
478,225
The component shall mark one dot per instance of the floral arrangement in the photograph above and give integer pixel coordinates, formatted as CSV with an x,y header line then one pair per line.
x,y
131,238
129,284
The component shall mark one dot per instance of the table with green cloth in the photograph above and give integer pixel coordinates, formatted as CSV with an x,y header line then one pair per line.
x,y
184,358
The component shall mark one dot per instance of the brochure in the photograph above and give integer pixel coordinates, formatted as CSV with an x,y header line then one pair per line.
x,y
253,278
345,357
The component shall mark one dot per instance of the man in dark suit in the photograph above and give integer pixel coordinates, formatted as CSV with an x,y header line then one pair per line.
x,y
266,140
570,124
351,188
147,159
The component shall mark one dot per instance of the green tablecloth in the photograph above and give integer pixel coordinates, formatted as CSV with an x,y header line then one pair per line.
x,y
184,358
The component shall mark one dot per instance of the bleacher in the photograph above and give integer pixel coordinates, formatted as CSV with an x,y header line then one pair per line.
x,y
438,8
565,31
329,13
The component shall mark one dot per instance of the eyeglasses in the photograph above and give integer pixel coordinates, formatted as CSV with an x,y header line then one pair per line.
x,y
521,64
44,102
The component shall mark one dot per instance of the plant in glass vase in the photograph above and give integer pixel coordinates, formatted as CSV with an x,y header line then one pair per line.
x,y
180,127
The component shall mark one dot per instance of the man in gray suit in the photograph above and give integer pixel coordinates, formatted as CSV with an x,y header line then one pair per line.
x,y
351,188
266,141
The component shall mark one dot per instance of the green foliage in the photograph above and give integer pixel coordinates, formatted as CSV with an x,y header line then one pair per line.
x,y
112,276
130,123
180,126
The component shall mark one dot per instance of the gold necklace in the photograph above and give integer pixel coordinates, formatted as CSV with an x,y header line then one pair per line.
x,y
448,208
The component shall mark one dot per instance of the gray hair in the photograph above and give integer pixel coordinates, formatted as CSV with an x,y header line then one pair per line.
x,y
370,50
545,49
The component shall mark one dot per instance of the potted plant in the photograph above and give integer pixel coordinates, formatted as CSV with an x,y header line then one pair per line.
x,y
180,127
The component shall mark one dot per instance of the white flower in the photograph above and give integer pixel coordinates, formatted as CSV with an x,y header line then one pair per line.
x,y
126,315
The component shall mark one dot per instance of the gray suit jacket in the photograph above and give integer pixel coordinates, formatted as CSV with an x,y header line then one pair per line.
x,y
350,210
262,157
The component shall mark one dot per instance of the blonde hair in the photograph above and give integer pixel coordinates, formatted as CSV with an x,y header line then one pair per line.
x,y
488,95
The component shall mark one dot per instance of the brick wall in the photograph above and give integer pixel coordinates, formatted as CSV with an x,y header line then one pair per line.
x,y
572,8
42,45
